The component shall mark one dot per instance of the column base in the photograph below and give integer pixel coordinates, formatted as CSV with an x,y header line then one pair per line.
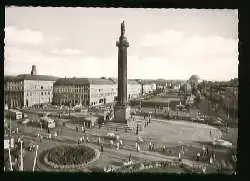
x,y
121,113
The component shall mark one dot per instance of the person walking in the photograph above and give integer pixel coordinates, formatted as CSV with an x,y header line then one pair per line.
x,y
102,148
150,146
198,156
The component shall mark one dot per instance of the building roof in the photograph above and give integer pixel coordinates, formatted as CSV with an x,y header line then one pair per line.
x,y
146,81
71,81
194,78
114,80
130,81
30,77
100,81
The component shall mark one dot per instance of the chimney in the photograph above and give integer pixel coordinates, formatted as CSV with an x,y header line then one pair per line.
x,y
33,71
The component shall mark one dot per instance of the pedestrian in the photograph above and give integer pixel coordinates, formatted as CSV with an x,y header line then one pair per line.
x,y
213,156
203,150
138,148
153,147
179,156
117,145
102,148
99,140
120,142
164,148
111,143
211,160
150,146
81,140
198,156
207,151
87,139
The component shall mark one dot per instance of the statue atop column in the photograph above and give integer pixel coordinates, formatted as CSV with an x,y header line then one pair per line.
x,y
122,28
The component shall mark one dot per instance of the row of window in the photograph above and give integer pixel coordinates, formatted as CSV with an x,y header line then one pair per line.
x,y
14,88
103,94
14,83
61,90
42,93
47,87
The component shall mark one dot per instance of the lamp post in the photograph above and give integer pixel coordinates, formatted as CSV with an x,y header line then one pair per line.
x,y
10,146
21,155
34,163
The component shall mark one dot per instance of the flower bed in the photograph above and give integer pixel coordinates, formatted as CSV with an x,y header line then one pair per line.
x,y
69,157
155,165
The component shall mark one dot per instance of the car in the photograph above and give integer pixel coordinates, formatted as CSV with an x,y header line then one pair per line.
x,y
25,121
223,143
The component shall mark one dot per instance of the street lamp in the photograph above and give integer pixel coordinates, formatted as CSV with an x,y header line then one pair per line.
x,y
34,163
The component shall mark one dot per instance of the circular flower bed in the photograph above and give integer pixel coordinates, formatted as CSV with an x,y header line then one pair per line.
x,y
69,157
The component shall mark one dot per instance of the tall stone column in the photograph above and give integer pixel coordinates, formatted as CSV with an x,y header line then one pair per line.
x,y
121,113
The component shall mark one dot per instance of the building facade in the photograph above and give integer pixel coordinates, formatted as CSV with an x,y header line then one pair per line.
x,y
71,91
134,89
26,90
83,91
102,91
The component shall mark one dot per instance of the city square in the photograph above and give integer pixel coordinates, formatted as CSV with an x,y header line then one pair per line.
x,y
107,124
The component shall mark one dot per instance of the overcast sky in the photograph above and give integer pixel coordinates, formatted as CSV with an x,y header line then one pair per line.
x,y
81,42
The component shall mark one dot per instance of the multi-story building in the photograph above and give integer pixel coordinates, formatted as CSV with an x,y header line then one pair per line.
x,y
71,91
28,89
84,91
102,91
147,86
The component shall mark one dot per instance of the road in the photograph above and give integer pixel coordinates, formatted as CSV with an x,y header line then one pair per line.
x,y
111,156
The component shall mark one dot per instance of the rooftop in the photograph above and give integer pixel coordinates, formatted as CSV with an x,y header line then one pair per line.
x,y
30,77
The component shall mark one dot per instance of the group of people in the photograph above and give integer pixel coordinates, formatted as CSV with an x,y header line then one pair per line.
x,y
118,144
83,139
83,129
205,153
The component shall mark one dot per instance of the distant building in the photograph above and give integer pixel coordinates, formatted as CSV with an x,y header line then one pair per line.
x,y
147,86
186,88
134,89
28,89
161,84
194,80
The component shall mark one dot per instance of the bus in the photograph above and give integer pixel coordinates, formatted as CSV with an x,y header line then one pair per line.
x,y
47,122
14,114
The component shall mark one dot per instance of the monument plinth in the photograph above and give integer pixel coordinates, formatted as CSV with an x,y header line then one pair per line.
x,y
121,109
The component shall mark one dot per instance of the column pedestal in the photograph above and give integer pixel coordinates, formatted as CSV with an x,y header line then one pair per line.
x,y
121,113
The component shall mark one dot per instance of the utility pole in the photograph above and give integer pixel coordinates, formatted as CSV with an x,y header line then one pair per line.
x,y
34,163
21,155
10,146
